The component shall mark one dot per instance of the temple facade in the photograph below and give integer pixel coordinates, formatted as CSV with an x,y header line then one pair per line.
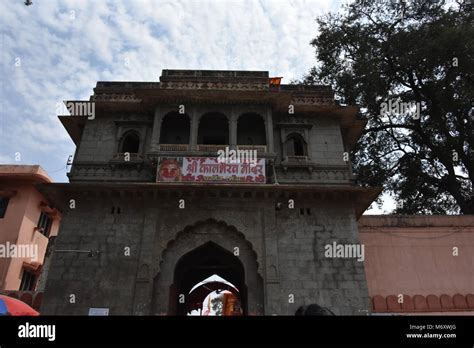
x,y
209,173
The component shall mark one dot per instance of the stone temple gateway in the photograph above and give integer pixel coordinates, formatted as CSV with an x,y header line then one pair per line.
x,y
149,212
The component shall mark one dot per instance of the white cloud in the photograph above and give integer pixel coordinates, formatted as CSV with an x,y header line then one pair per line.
x,y
66,47
4,159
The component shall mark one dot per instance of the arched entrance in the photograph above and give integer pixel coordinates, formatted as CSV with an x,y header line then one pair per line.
x,y
199,264
204,249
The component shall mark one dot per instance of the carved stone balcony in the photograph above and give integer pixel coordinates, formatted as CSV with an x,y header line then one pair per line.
x,y
127,159
296,159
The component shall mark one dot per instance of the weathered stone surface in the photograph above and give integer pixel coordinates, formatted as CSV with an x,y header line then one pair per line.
x,y
159,236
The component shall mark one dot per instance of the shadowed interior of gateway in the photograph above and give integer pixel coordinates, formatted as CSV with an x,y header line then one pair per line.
x,y
199,264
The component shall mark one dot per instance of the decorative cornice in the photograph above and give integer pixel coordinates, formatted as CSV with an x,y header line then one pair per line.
x,y
421,303
239,86
312,100
116,97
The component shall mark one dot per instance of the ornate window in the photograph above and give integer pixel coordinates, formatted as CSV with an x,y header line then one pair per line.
x,y
130,143
295,145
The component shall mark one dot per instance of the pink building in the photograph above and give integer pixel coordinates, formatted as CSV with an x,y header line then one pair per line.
x,y
27,226
419,264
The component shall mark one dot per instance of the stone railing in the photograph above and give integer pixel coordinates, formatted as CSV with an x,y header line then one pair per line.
x,y
173,147
211,148
260,148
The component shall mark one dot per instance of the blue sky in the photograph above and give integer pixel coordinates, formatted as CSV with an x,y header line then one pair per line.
x,y
57,50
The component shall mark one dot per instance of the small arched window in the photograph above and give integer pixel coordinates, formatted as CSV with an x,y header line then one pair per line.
x,y
130,143
295,145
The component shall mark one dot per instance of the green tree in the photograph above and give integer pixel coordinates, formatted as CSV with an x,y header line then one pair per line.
x,y
419,52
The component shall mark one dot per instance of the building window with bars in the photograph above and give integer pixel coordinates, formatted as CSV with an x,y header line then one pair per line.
x,y
28,281
44,224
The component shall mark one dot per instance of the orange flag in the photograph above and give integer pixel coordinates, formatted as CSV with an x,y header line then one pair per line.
x,y
275,81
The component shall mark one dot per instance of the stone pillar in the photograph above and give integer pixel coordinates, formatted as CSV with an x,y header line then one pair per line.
x,y
233,128
155,135
269,129
144,280
193,132
273,296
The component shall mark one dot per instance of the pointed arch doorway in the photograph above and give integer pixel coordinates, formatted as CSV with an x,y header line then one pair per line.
x,y
202,250
199,264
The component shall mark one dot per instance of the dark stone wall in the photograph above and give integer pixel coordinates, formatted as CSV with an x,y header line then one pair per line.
x,y
282,253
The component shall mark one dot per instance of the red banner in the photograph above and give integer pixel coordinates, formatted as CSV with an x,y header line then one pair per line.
x,y
209,169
